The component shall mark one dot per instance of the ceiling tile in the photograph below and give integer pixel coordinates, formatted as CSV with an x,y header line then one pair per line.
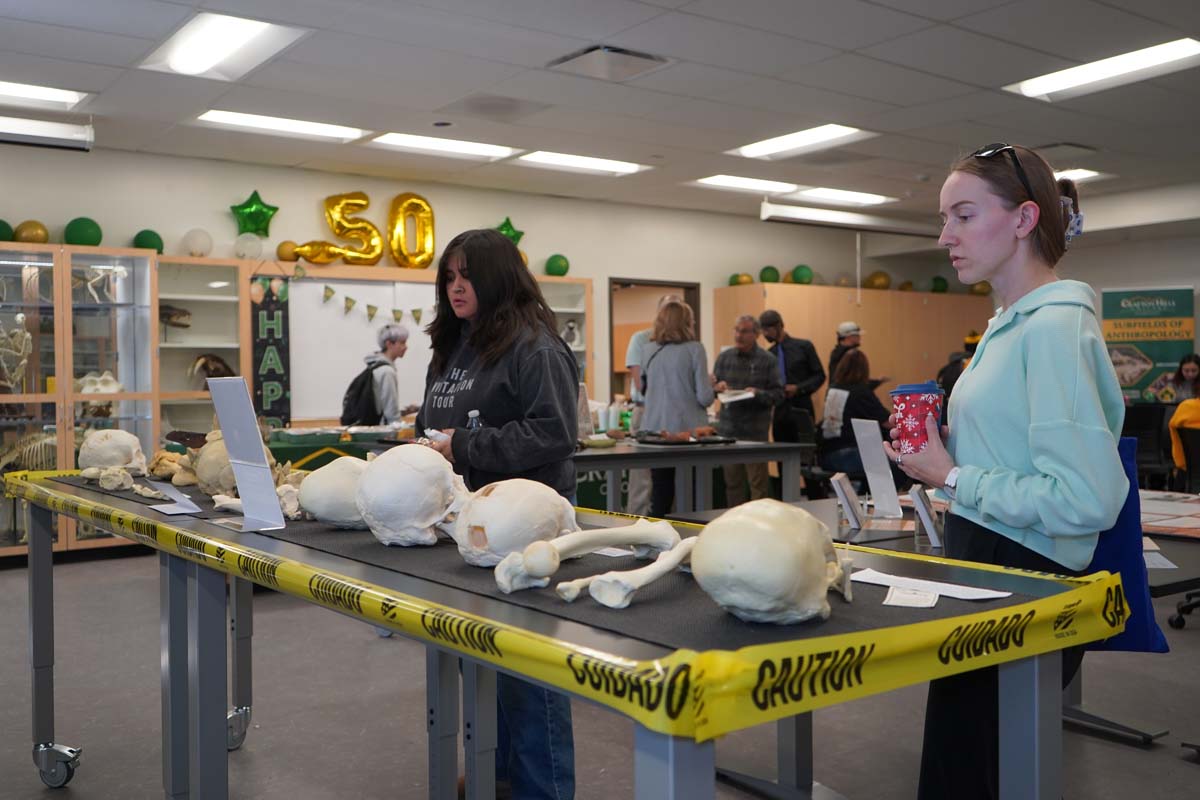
x,y
199,142
92,47
1053,124
128,132
638,129
847,24
720,44
769,94
945,10
857,75
950,110
156,95
61,74
1077,29
1187,80
1182,14
753,124
572,90
375,170
337,110
585,19
908,148
691,80
147,19
1139,104
967,57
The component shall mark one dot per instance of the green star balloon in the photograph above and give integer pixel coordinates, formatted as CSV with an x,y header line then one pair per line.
x,y
510,232
254,216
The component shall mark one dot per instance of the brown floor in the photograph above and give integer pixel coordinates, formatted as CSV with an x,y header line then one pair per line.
x,y
338,711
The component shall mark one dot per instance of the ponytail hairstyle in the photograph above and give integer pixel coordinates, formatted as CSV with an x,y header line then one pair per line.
x,y
1059,217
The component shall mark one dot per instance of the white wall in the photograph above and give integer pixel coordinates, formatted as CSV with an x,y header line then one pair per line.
x,y
126,192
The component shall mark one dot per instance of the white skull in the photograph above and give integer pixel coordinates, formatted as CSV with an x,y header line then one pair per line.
x,y
112,447
329,492
504,517
408,494
767,561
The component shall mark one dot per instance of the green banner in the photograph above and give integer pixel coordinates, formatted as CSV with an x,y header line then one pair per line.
x,y
1148,331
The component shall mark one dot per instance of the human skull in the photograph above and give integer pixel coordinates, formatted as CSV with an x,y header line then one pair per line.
x,y
112,447
98,383
408,494
505,516
329,492
767,561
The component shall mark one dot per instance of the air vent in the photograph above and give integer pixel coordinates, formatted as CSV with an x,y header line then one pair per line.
x,y
1063,152
494,107
608,63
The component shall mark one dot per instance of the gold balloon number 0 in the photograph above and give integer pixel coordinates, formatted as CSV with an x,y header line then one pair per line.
x,y
415,252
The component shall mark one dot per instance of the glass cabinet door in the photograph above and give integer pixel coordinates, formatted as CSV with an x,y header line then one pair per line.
x,y
101,413
110,322
27,324
28,441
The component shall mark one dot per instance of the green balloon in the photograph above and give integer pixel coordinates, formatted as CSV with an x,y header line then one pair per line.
x,y
6,231
940,285
82,230
557,264
149,240
768,275
734,279
802,273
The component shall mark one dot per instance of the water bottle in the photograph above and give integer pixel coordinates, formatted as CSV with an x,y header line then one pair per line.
x,y
474,421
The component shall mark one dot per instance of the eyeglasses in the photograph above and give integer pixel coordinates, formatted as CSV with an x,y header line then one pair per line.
x,y
989,150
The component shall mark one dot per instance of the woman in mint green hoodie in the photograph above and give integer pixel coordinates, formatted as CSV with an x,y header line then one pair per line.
x,y
1029,459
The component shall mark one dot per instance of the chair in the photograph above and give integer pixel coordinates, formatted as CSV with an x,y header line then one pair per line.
x,y
1146,422
816,480
1191,453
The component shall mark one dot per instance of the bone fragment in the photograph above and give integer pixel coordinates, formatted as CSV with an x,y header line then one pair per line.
x,y
615,589
146,491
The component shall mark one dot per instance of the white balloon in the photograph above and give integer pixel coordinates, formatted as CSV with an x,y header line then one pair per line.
x,y
197,242
247,245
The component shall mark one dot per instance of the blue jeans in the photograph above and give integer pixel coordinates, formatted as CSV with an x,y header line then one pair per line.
x,y
535,747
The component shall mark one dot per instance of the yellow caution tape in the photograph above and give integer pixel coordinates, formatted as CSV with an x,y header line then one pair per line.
x,y
698,695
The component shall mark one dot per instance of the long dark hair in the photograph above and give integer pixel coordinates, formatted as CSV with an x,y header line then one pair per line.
x,y
511,305
1179,380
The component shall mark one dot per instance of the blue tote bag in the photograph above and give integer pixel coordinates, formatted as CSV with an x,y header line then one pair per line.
x,y
1120,551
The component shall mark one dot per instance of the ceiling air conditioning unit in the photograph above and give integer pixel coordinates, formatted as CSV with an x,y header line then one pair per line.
x,y
44,133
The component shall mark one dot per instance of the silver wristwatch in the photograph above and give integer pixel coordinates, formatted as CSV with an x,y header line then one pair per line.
x,y
951,483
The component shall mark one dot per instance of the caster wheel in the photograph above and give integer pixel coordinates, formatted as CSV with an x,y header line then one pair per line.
x,y
234,740
1176,621
1179,606
59,777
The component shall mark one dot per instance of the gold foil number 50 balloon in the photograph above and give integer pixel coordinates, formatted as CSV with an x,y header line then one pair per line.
x,y
417,252
339,211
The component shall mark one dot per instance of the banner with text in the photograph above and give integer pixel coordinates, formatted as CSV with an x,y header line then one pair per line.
x,y
272,358
1148,331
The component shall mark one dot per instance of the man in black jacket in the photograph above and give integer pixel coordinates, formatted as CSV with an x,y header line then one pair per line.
x,y
849,337
800,372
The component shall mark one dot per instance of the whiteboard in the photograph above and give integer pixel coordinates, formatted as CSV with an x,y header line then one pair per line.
x,y
328,345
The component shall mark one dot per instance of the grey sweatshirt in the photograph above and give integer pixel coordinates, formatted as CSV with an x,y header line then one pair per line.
x,y
678,389
383,379
527,402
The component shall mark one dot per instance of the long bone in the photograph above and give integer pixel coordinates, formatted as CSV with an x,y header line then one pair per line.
x,y
616,589
533,567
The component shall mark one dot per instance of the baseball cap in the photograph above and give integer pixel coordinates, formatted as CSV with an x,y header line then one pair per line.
x,y
769,318
848,328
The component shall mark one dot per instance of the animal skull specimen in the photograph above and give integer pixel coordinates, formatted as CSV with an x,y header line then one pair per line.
x,y
211,466
538,561
767,561
616,589
174,316
408,494
112,448
15,347
165,464
288,496
506,516
98,383
329,493
99,276
210,365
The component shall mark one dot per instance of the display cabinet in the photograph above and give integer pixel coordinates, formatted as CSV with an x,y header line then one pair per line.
x,y
571,301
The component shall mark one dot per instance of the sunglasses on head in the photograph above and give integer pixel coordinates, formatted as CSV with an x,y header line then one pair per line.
x,y
987,151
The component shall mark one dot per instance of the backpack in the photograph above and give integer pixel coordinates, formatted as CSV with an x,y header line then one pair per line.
x,y
358,404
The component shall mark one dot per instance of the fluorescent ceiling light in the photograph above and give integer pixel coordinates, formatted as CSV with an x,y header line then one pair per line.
x,y
217,284
1109,72
570,163
220,46
454,148
828,217
806,141
1080,175
18,130
756,185
31,96
841,197
281,125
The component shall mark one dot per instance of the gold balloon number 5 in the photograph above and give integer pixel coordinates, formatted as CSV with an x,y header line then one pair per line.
x,y
412,252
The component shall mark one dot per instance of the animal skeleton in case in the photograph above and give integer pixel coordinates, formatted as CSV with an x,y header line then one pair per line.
x,y
15,347
102,277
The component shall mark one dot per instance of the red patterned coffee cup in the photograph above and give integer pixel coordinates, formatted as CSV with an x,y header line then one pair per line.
x,y
913,403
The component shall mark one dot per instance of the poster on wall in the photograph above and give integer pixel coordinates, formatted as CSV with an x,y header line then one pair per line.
x,y
271,353
1147,332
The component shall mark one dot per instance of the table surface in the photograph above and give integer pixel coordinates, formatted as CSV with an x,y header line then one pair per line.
x,y
623,452
828,512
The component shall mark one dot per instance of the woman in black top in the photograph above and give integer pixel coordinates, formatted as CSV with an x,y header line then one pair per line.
x,y
850,396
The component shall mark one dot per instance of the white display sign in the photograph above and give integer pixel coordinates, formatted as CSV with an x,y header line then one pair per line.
x,y
875,465
243,441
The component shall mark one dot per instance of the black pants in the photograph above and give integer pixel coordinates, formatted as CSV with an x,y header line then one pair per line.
x,y
662,491
960,757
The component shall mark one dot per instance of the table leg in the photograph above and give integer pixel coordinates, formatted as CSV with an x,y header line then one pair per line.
x,y
241,620
56,763
685,479
479,730
613,500
1074,713
794,766
441,697
1031,728
704,480
790,479
207,684
672,768
173,626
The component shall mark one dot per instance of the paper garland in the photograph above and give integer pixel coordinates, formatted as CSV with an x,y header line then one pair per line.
x,y
348,304
371,312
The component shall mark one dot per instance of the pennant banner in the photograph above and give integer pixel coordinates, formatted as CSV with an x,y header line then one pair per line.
x,y
371,312
416,315
397,314
349,302
329,293
300,271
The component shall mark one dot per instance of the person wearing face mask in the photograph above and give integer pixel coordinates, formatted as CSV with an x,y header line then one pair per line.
x,y
495,351
1029,458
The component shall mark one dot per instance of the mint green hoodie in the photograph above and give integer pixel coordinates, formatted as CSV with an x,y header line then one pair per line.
x,y
1034,423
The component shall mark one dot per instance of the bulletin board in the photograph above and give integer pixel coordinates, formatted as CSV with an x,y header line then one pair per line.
x,y
328,342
